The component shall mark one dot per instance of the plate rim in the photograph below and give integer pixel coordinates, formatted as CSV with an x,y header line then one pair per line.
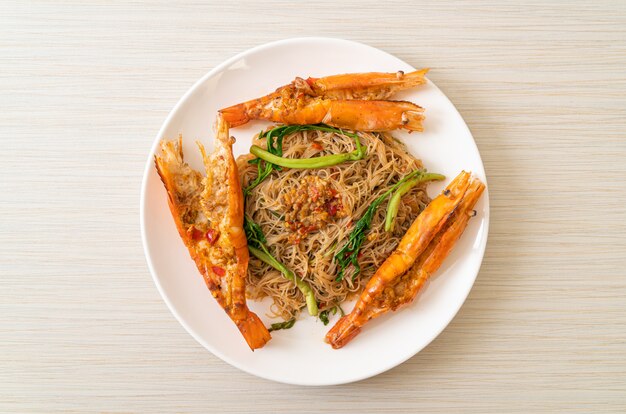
x,y
142,206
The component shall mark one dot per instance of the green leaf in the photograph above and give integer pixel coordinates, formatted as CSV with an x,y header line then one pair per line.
x,y
254,233
324,317
282,325
326,313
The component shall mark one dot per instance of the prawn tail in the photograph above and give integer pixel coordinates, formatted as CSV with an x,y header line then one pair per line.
x,y
235,115
413,121
415,78
253,330
344,330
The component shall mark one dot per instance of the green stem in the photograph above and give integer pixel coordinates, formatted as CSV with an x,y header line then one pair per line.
x,y
274,139
306,290
394,201
349,253
309,163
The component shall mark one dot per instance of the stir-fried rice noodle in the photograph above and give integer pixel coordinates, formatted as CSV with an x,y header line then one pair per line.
x,y
308,214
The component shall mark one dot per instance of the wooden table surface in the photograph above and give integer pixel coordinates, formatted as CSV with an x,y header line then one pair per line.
x,y
84,88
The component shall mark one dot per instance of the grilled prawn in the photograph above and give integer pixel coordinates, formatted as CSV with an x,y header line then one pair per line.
x,y
420,253
351,101
368,86
208,212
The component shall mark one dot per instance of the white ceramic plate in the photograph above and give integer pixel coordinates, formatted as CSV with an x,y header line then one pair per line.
x,y
299,355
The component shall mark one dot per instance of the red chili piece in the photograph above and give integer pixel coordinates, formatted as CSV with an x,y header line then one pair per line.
x,y
196,234
332,209
212,235
218,271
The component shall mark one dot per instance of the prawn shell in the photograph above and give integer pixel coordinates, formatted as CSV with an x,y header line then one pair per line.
x,y
419,254
227,288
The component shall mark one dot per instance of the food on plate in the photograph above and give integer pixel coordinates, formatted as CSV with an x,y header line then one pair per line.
x,y
208,212
351,101
419,254
370,85
306,216
351,250
272,156
327,206
258,247
290,110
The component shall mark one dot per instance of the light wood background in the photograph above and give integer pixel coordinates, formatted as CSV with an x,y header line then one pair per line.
x,y
84,88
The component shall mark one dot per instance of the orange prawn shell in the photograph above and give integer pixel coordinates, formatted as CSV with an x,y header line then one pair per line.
x,y
419,254
351,101
166,178
234,303
370,85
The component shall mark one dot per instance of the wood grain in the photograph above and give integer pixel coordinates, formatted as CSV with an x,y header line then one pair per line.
x,y
84,87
